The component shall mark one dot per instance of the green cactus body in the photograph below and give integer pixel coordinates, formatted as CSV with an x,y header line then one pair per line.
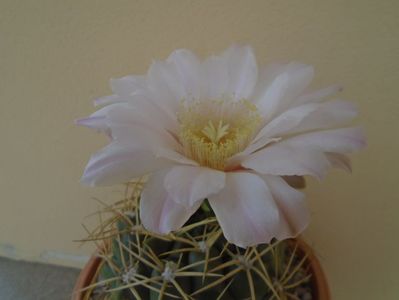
x,y
198,282
194,263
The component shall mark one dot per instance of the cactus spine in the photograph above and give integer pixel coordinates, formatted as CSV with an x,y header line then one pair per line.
x,y
195,262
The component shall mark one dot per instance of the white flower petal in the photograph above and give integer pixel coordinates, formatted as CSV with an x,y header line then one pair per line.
x,y
236,159
131,127
99,119
343,140
284,159
327,115
214,78
188,184
246,210
141,137
340,161
294,214
242,71
282,91
319,95
158,212
164,86
299,77
286,121
141,112
94,122
116,164
155,115
187,67
270,100
127,85
174,156
266,76
309,117
106,100
304,154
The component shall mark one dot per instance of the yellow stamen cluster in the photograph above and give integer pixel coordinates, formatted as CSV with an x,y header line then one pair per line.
x,y
212,131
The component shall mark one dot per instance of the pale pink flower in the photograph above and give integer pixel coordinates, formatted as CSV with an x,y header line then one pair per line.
x,y
223,130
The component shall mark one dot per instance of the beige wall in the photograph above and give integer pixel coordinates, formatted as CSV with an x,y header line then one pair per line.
x,y
55,56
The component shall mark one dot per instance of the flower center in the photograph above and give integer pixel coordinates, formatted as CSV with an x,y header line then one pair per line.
x,y
212,131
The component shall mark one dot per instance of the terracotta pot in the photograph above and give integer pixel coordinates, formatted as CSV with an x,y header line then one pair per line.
x,y
320,287
319,281
86,277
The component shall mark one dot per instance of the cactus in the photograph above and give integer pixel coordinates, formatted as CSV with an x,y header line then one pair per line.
x,y
195,262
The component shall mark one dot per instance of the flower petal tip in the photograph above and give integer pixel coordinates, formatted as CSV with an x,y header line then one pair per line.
x,y
80,122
